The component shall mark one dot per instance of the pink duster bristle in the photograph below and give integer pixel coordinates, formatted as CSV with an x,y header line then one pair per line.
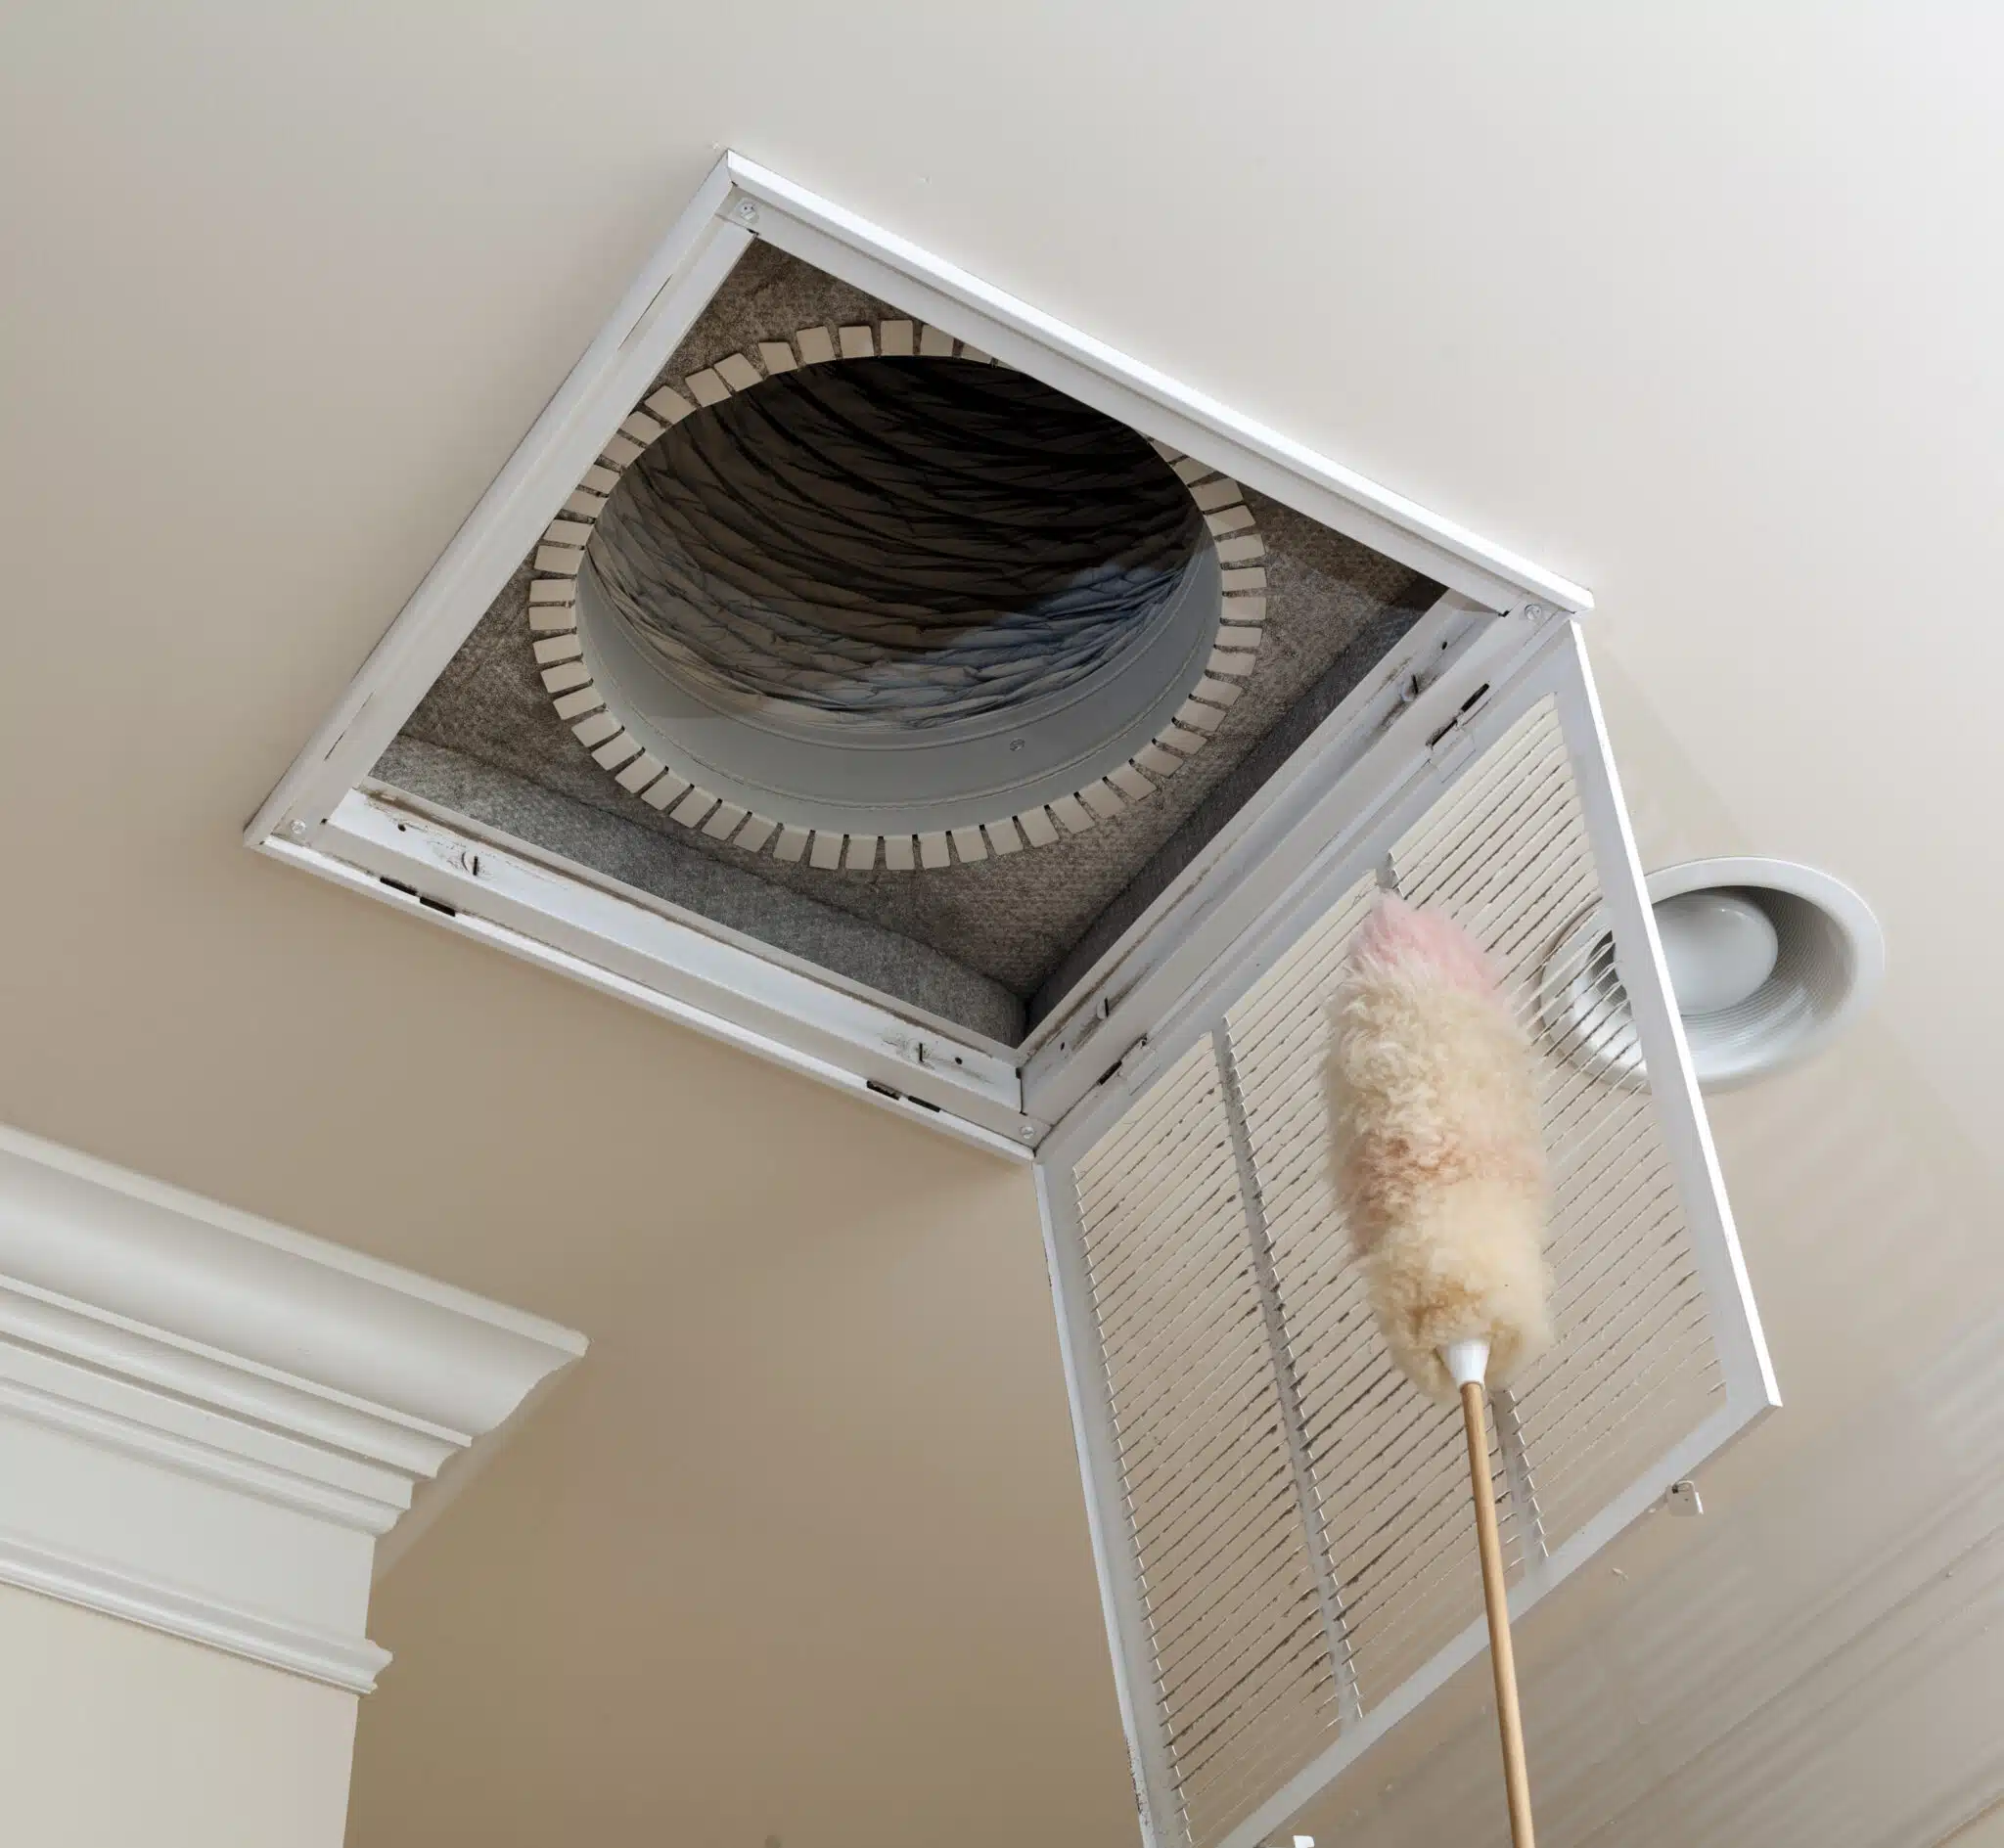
x,y
1399,936
1438,1154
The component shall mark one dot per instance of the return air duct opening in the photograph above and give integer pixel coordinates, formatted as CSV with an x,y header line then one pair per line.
x,y
897,596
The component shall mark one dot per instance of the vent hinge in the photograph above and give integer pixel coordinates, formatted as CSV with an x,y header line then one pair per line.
x,y
1128,1066
1448,743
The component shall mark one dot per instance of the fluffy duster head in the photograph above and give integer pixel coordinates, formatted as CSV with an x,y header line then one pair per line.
x,y
1438,1156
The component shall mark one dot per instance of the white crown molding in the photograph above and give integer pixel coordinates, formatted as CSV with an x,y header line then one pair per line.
x,y
206,1421
351,1662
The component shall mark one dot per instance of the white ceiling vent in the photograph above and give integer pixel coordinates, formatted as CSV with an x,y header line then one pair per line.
x,y
861,668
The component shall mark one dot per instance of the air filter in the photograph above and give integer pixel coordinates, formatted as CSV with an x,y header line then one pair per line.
x,y
1282,1524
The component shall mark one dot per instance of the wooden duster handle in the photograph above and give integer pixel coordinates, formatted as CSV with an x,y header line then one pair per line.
x,y
1497,1593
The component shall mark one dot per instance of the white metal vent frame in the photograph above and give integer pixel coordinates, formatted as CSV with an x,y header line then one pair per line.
x,y
1440,694
1558,671
565,919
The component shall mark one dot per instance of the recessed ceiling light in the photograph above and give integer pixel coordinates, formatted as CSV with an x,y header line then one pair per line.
x,y
1768,961
1719,947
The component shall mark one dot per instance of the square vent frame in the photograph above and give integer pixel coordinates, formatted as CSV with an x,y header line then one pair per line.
x,y
1170,990
324,817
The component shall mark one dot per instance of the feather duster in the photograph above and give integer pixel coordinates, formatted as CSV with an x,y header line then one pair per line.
x,y
1438,1156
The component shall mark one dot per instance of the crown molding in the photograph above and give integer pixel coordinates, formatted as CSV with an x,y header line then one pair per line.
x,y
208,1421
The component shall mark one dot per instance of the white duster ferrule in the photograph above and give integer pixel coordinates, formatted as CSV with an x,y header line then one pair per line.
x,y
1467,1362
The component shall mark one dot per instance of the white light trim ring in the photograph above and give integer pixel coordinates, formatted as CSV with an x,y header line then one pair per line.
x,y
1831,959
663,786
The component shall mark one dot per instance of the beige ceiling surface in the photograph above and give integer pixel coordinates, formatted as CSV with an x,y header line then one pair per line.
x,y
1695,305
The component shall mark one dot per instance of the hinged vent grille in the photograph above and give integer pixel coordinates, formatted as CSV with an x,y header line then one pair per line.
x,y
1284,1522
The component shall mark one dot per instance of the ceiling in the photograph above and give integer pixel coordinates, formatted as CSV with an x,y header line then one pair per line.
x,y
1696,306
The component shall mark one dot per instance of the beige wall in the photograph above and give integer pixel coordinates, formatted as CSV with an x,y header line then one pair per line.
x,y
112,1735
799,1550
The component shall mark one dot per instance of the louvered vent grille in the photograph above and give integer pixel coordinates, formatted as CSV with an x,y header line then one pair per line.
x,y
1296,1516
1226,1568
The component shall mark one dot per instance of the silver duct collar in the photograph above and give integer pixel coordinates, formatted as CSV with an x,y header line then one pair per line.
x,y
935,607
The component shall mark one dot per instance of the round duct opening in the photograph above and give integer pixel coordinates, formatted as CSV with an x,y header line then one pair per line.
x,y
1767,960
897,596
